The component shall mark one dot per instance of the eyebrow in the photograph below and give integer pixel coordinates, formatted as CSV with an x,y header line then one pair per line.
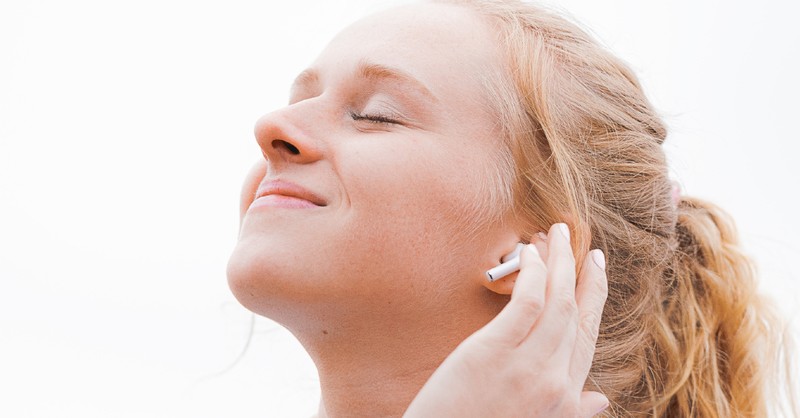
x,y
371,71
306,79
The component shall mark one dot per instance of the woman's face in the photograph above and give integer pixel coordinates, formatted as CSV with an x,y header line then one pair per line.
x,y
375,172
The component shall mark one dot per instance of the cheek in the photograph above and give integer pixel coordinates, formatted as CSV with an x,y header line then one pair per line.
x,y
412,175
415,189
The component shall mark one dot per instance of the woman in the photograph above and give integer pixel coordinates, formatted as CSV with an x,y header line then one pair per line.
x,y
419,148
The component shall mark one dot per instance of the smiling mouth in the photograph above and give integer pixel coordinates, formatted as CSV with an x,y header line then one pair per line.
x,y
281,193
279,200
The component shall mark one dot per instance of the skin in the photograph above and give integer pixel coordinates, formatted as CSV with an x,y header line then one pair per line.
x,y
533,358
384,281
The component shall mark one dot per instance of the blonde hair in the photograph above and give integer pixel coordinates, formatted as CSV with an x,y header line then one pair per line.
x,y
684,332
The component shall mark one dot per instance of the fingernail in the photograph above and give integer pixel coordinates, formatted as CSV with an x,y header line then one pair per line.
x,y
542,236
599,258
564,230
601,409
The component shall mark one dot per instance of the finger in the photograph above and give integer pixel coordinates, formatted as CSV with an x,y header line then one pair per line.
x,y
540,241
515,321
592,403
560,264
590,295
557,328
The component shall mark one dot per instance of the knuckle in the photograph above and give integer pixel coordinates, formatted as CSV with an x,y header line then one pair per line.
x,y
590,325
519,382
560,397
567,306
556,391
601,284
531,304
591,318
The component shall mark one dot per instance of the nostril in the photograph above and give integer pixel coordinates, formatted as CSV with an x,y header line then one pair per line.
x,y
279,143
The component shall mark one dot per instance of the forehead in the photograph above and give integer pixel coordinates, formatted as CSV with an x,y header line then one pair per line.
x,y
450,49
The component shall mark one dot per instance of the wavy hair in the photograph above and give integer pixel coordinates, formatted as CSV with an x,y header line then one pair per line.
x,y
684,332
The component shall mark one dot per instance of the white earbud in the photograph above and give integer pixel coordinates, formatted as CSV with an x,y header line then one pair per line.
x,y
510,264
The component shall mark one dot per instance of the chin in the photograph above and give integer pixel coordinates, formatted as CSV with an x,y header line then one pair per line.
x,y
282,279
268,282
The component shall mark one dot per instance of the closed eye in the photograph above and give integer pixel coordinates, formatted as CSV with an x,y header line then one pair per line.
x,y
374,118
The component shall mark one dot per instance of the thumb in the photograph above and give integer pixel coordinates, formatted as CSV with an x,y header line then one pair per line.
x,y
592,403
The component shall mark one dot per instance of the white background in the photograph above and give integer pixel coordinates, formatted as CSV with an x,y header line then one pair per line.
x,y
126,129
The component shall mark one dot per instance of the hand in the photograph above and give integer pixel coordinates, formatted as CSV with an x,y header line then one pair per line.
x,y
531,360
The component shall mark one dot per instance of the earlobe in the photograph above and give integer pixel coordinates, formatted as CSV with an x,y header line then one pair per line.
x,y
503,286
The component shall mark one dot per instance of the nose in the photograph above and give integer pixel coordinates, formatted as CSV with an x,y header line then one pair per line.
x,y
282,140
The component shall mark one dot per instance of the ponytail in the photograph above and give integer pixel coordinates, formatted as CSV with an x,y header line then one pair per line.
x,y
715,321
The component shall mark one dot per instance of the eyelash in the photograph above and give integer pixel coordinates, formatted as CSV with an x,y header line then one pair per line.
x,y
374,118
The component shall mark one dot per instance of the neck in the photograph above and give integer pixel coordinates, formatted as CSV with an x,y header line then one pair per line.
x,y
375,368
381,385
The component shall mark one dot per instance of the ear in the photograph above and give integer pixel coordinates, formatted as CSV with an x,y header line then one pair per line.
x,y
503,247
505,285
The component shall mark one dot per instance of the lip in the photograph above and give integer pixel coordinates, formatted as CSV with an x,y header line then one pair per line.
x,y
282,193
